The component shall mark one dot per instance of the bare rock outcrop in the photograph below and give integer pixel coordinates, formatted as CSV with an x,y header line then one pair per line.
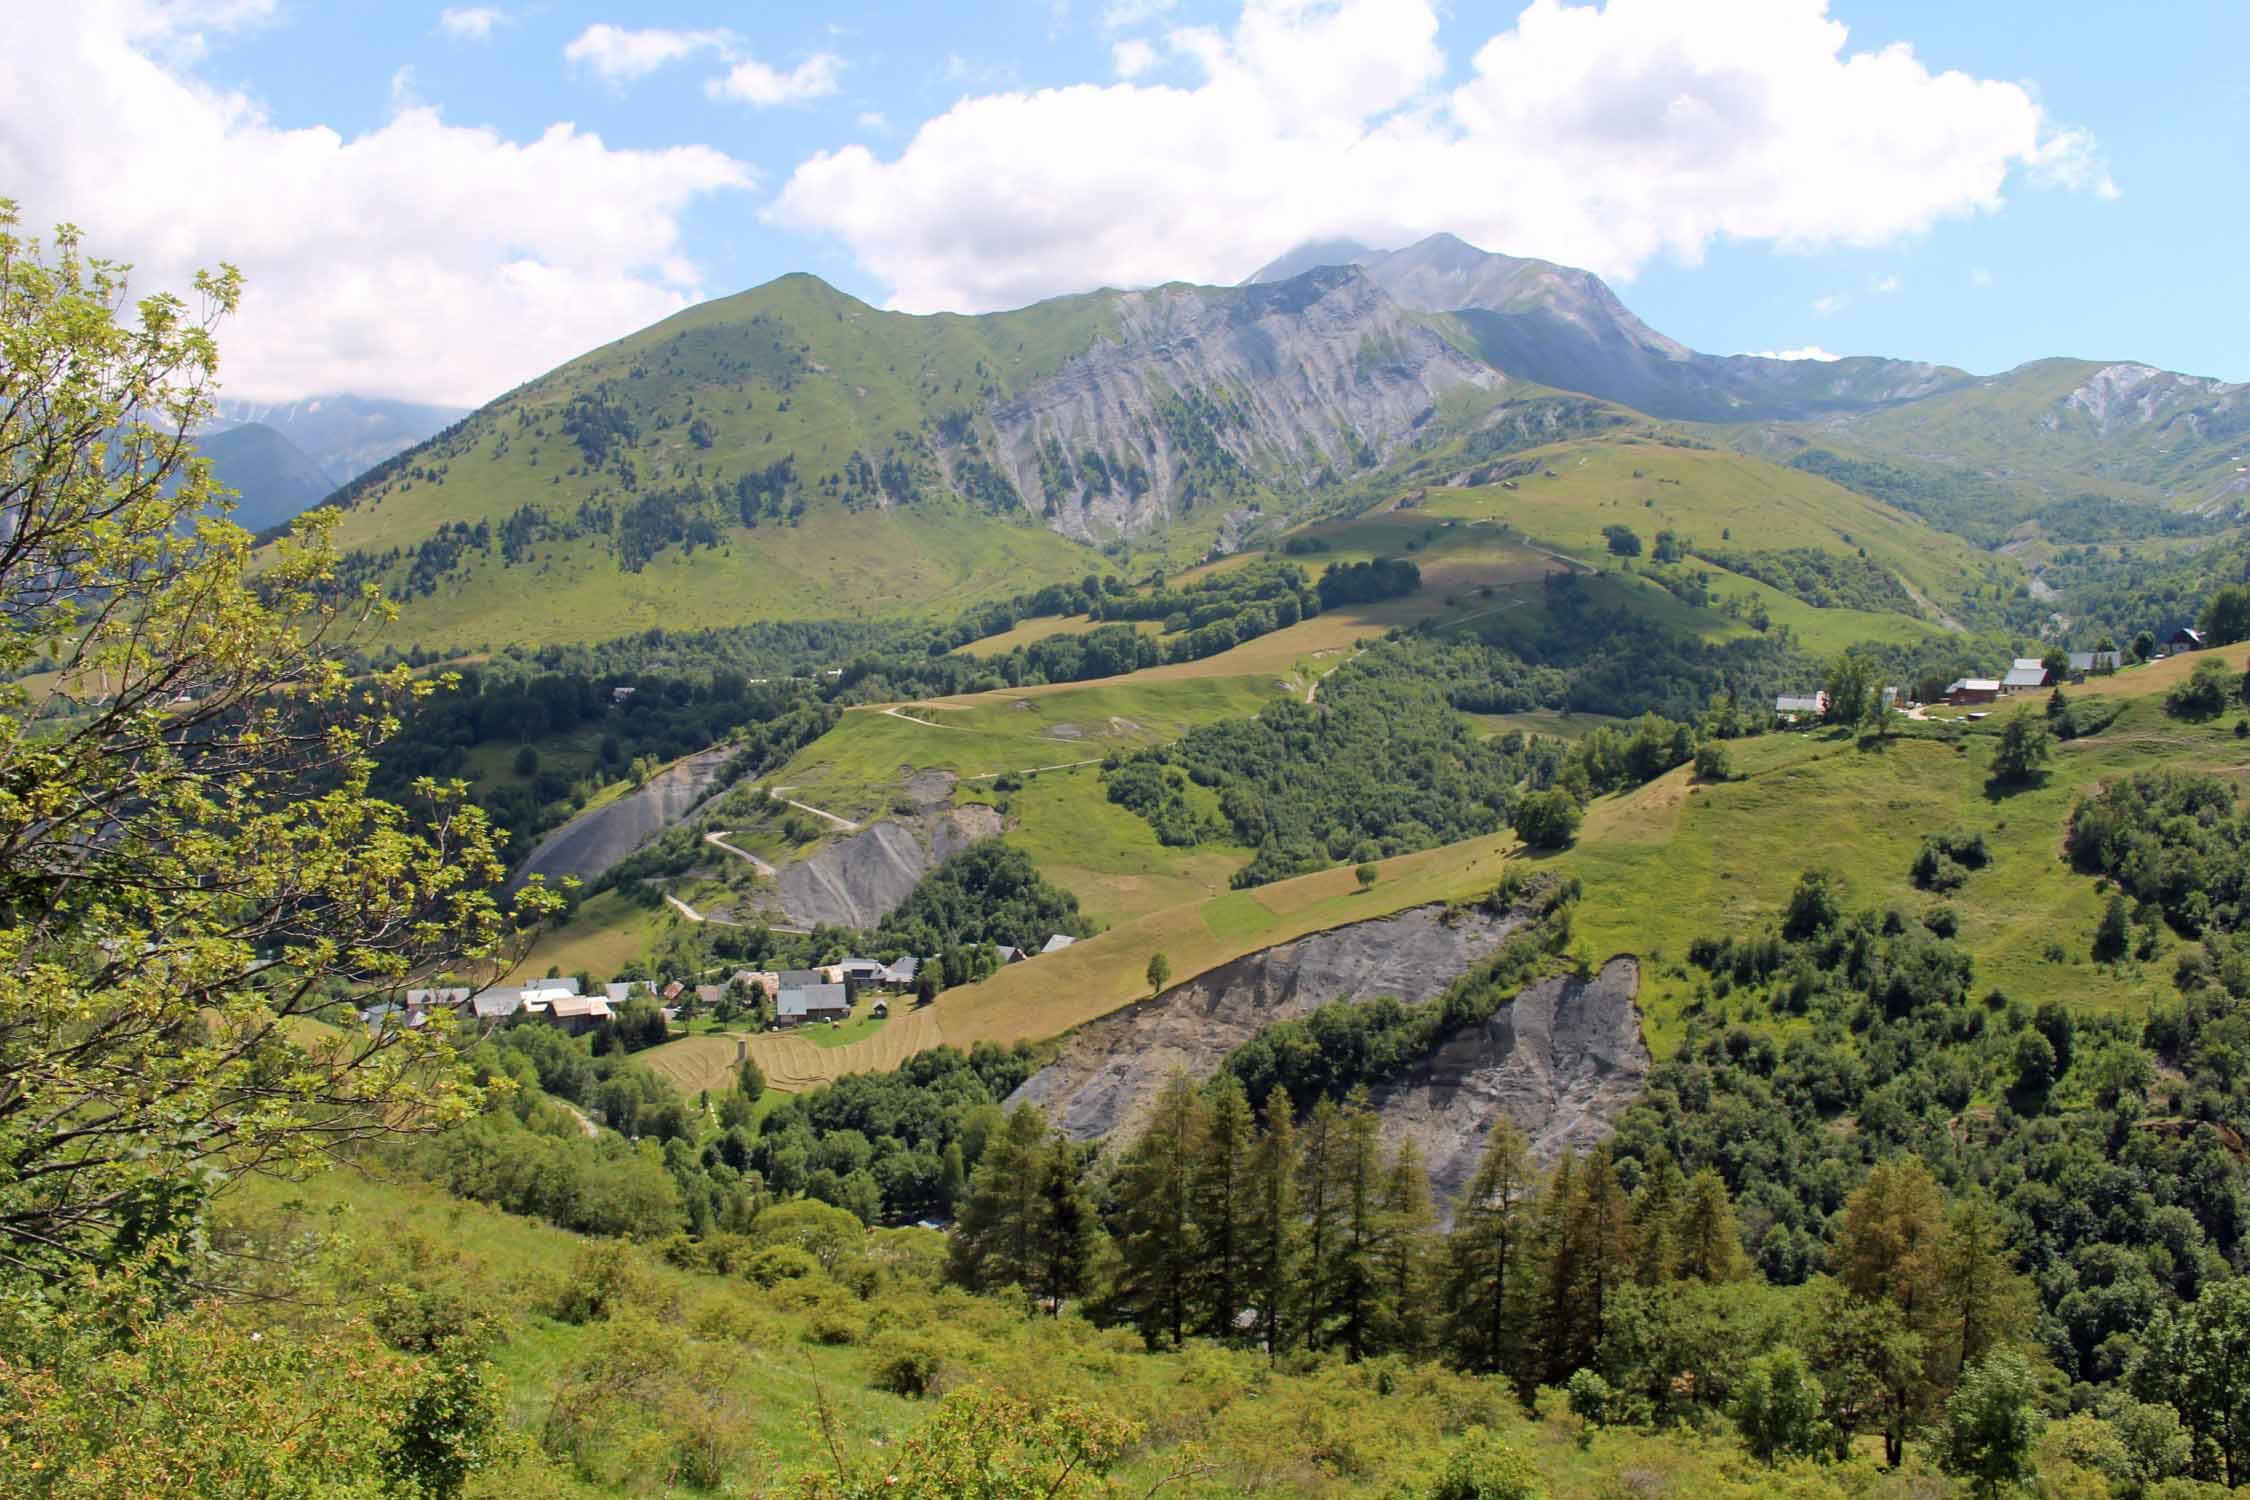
x,y
1563,1061
1111,1069
590,843
856,882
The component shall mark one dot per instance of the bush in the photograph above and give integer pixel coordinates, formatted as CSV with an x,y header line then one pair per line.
x,y
606,1277
1548,820
1481,1467
907,1367
2203,696
1713,763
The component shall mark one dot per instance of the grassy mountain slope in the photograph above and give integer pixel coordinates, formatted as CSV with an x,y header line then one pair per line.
x,y
2066,426
791,452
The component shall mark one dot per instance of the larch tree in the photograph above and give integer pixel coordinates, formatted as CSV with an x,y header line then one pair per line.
x,y
1217,1192
1272,1238
1161,1251
1487,1256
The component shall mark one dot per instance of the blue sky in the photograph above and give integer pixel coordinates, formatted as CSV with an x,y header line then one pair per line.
x,y
441,207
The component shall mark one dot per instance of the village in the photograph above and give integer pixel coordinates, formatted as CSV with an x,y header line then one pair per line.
x,y
2025,674
782,999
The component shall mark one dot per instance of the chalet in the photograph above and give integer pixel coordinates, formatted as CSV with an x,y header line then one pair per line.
x,y
901,975
2184,639
798,1004
575,1013
2026,673
1058,942
2084,662
1800,705
708,996
799,979
1974,690
861,971
619,991
1010,955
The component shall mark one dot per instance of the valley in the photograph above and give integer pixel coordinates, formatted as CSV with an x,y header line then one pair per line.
x,y
1381,883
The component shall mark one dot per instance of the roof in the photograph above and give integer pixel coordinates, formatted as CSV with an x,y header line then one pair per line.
x,y
619,991
860,966
797,979
498,1002
1010,955
903,971
451,995
809,999
2185,633
2025,677
1976,685
1789,703
2028,664
1057,943
2088,661
710,994
571,1007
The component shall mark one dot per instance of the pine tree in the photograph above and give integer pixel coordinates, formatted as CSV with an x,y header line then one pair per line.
x,y
997,1242
1656,1218
1403,1254
1065,1226
1558,1305
1710,1244
1272,1238
1160,1249
1984,1295
1353,1288
1321,1205
1889,1249
1598,1227
1487,1256
1216,1207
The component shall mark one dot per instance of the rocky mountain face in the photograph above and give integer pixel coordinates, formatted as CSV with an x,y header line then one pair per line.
x,y
1565,328
1214,393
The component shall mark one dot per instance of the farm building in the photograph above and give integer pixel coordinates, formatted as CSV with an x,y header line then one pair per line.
x,y
1974,690
2025,673
799,1004
2184,639
2083,663
1800,705
1057,943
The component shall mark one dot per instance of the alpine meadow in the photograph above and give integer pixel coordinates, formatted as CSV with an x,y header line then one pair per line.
x,y
1164,831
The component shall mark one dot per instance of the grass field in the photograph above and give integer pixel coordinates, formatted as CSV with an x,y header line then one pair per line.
x,y
1040,627
794,1061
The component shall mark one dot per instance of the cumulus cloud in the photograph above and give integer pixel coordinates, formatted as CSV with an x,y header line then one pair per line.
x,y
420,259
470,23
621,53
1133,58
1600,135
753,82
1886,283
1810,351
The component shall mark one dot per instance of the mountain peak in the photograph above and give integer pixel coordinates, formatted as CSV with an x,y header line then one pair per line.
x,y
1309,256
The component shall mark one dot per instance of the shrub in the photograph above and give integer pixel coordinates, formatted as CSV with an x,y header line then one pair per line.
x,y
607,1277
907,1367
2203,696
1481,1467
1713,763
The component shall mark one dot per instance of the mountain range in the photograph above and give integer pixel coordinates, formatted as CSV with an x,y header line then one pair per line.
x,y
792,452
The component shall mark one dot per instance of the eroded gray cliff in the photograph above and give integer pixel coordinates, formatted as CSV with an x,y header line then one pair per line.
x,y
1563,1061
1111,1069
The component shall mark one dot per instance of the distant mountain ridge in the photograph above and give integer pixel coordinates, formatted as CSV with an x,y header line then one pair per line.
x,y
344,435
273,478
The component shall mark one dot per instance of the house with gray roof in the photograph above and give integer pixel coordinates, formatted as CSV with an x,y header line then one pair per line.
x,y
2083,663
1058,942
798,1004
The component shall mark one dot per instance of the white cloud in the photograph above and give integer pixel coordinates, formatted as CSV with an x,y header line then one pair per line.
x,y
1597,135
872,119
1810,351
753,82
418,259
1132,58
1887,282
470,23
1826,305
619,53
